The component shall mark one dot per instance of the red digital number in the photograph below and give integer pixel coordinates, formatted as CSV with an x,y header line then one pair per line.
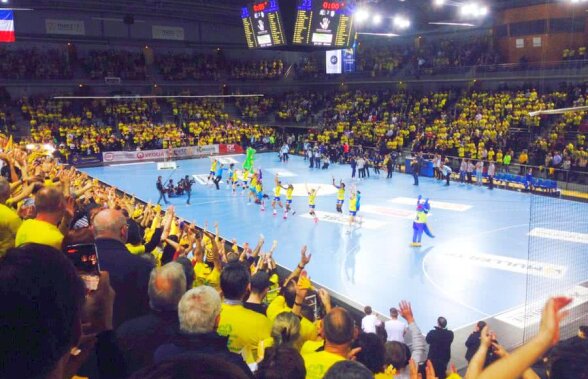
x,y
332,6
259,7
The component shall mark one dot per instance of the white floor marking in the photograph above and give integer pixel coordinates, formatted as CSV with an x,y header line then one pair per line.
x,y
561,235
527,315
343,219
227,160
201,179
281,172
434,204
383,211
499,262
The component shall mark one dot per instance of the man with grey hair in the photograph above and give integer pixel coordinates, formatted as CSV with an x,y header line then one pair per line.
x,y
9,220
199,312
140,337
129,274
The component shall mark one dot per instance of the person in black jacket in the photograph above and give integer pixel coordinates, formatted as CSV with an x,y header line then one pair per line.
x,y
129,274
140,337
161,190
199,313
439,340
473,343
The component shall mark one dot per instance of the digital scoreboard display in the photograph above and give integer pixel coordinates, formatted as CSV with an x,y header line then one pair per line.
x,y
324,23
263,25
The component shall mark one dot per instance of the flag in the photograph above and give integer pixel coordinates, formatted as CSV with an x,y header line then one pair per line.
x,y
6,26
333,63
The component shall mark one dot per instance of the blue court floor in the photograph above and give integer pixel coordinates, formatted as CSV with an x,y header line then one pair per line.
x,y
476,267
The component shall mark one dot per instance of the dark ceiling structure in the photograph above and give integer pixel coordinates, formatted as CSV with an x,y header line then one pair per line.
x,y
226,12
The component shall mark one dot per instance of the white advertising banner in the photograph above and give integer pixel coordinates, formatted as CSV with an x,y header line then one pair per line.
x,y
69,27
333,62
167,32
151,155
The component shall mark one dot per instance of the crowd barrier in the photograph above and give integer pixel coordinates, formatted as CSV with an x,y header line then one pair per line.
x,y
110,157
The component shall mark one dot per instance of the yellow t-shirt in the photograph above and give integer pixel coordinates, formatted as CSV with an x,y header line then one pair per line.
x,y
9,224
308,330
41,232
245,329
135,250
317,364
205,276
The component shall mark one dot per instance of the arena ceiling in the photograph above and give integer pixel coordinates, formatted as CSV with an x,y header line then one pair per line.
x,y
420,12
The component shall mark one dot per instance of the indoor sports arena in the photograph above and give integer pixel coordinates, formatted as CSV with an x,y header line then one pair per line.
x,y
294,189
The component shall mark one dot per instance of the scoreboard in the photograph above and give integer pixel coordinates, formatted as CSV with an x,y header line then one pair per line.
x,y
262,22
324,23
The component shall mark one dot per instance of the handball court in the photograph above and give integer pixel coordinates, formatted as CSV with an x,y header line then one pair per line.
x,y
497,254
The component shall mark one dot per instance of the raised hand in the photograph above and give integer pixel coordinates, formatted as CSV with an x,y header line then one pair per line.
x,y
405,310
551,317
304,258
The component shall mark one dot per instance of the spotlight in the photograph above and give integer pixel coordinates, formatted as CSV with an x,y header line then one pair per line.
x,y
361,15
473,10
438,3
4,1
401,22
377,20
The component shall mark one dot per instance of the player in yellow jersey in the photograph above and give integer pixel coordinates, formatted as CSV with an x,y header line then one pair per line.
x,y
340,195
289,195
245,179
352,208
260,196
212,172
312,201
277,199
235,180
253,188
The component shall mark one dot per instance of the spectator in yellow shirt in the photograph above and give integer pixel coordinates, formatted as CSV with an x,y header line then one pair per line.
x,y
339,332
52,210
245,328
9,220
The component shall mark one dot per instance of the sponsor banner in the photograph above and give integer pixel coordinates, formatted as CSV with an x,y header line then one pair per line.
x,y
561,235
521,266
337,218
393,212
434,204
530,314
69,27
150,155
83,159
167,32
333,62
195,151
230,148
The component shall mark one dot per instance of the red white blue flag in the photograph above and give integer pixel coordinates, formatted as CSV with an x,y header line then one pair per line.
x,y
6,25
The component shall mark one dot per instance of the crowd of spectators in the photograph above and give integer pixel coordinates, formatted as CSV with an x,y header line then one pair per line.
x,y
191,66
126,65
267,69
95,126
440,56
299,106
34,64
174,301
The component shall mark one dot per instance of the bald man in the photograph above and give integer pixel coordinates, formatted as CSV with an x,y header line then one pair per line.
x,y
9,220
339,331
43,229
129,274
